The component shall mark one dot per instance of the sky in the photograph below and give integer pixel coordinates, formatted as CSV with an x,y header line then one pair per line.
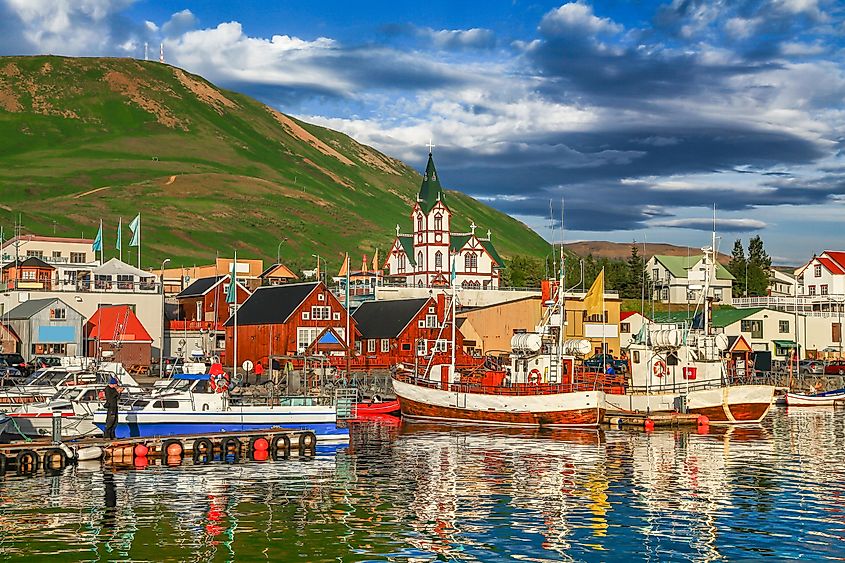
x,y
638,117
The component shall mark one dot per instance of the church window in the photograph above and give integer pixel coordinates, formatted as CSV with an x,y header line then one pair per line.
x,y
401,262
419,222
438,222
438,260
420,260
470,262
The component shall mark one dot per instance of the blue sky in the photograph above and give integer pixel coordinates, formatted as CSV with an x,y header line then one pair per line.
x,y
640,115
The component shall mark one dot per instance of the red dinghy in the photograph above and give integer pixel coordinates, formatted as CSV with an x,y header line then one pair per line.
x,y
375,409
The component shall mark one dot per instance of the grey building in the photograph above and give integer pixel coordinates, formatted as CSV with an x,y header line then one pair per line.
x,y
47,327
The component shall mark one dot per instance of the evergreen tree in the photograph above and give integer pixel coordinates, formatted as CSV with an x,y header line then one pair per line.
x,y
635,273
759,264
523,271
737,267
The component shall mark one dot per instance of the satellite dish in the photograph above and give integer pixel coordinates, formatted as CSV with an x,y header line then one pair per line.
x,y
108,353
247,365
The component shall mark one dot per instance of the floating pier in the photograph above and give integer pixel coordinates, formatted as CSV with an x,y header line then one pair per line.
x,y
652,421
26,457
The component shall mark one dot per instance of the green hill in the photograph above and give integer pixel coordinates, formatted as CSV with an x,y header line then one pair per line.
x,y
210,170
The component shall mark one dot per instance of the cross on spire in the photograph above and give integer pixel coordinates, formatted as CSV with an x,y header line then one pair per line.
x,y
397,229
473,226
488,234
430,145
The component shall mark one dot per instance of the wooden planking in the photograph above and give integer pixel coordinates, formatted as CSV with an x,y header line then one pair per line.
x,y
578,417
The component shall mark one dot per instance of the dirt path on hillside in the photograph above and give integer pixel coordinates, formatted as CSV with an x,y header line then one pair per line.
x,y
89,192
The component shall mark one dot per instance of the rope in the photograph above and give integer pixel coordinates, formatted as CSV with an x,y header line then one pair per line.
x,y
18,428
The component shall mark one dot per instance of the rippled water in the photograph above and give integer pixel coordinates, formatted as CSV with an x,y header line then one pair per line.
x,y
417,492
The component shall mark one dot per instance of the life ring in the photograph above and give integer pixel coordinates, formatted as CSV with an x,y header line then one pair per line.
x,y
307,441
284,448
534,376
49,458
219,382
659,368
206,453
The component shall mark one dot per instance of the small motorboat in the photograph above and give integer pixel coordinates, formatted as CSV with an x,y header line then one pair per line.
x,y
372,408
826,398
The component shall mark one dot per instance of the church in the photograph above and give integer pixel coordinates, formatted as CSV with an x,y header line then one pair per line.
x,y
424,258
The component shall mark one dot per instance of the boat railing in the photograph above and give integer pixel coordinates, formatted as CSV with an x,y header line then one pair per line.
x,y
684,386
512,389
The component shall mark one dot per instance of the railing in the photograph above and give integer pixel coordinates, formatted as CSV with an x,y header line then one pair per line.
x,y
84,286
514,389
804,304
194,325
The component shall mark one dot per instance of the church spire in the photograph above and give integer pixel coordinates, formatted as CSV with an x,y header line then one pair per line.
x,y
430,190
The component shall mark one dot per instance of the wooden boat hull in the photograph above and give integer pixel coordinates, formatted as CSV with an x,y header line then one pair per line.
x,y
576,409
821,400
734,404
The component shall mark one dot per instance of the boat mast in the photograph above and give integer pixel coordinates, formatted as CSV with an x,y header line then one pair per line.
x,y
561,300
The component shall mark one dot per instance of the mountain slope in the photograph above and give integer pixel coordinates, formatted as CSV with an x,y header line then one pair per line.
x,y
622,250
210,170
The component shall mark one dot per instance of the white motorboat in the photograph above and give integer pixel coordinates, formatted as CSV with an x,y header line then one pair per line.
x,y
824,399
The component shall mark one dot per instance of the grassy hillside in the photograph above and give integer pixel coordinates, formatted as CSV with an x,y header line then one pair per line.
x,y
210,170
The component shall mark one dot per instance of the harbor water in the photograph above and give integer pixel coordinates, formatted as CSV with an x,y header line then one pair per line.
x,y
419,492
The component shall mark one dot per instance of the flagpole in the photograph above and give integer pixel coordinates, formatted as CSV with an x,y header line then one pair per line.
x,y
120,237
139,240
102,246
233,281
603,319
454,295
347,304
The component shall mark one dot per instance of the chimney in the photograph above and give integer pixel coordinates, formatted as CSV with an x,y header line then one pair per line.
x,y
441,307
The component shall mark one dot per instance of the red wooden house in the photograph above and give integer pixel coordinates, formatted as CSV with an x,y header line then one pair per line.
x,y
28,273
202,305
405,331
117,329
284,320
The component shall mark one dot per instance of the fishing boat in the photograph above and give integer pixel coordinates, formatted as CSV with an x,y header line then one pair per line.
x,y
201,403
373,408
682,369
823,399
540,387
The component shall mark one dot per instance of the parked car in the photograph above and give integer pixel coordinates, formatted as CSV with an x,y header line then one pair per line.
x,y
811,367
835,367
39,362
599,361
16,361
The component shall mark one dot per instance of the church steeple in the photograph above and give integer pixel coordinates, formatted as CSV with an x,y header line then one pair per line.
x,y
430,190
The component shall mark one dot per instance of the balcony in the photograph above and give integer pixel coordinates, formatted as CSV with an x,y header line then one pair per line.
x,y
194,325
84,286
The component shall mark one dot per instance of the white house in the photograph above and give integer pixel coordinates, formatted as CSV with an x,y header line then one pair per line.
x,y
822,275
781,284
680,279
425,257
630,324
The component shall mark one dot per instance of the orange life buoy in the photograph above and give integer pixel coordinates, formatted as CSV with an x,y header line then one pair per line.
x,y
219,382
659,368
534,376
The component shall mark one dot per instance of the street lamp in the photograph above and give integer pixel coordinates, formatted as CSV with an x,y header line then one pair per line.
x,y
279,250
317,256
163,318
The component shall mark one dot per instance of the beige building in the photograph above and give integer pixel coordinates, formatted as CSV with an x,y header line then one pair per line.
x,y
488,330
248,273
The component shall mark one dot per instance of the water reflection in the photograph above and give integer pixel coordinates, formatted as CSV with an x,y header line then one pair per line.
x,y
417,492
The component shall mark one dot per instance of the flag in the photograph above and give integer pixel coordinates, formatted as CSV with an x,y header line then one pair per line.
x,y
135,227
375,262
117,244
232,293
344,268
98,240
454,271
593,301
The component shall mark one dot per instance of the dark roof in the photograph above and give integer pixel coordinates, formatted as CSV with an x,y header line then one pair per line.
x,y
491,250
200,287
272,304
28,309
407,242
31,262
386,319
430,190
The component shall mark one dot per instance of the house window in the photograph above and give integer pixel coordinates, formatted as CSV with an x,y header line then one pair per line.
x,y
124,281
28,274
77,257
625,327
321,297
823,289
431,321
335,316
306,316
811,290
401,262
431,310
304,337
58,314
371,345
470,262
655,274
441,345
438,222
199,311
34,254
421,324
754,327
636,356
57,255
422,346
817,270
783,327
385,345
438,260
664,294
358,347
321,313
406,347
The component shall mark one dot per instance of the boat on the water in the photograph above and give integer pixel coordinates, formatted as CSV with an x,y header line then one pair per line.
x,y
823,399
372,408
195,404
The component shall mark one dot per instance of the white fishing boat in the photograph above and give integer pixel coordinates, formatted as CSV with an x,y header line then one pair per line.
x,y
197,404
823,399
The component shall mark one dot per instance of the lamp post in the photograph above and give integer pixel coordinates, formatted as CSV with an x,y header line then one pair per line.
x,y
319,274
746,278
163,320
279,250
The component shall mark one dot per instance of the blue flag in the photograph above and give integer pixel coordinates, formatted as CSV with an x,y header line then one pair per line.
x,y
454,271
117,244
232,293
135,227
98,240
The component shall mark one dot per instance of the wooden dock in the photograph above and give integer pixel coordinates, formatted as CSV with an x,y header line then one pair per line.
x,y
649,422
275,444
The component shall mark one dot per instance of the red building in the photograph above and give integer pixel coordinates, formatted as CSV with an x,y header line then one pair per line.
x,y
284,320
202,305
28,273
117,329
405,331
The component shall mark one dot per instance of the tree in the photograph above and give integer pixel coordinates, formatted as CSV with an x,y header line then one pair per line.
x,y
636,270
737,267
759,264
523,271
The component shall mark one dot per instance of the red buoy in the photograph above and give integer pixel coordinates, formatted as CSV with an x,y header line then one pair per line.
x,y
141,462
141,450
648,425
174,460
174,449
260,455
260,445
703,420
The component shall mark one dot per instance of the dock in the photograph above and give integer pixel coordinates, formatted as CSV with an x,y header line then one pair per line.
x,y
26,457
651,421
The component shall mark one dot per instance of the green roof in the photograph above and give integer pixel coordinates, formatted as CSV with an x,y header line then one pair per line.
x,y
408,247
430,190
679,266
722,316
784,343
457,242
491,250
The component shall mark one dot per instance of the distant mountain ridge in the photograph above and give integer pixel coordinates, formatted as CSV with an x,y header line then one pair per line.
x,y
622,250
210,170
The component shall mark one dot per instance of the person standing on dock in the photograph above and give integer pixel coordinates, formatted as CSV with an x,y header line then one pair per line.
x,y
112,395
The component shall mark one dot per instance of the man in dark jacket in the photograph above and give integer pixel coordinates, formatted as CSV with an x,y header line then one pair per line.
x,y
112,396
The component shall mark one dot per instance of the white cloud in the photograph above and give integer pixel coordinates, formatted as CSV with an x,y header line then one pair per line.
x,y
707,222
179,23
578,18
459,38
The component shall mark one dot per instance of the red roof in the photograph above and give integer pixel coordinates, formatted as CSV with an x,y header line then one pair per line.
x,y
105,322
830,265
838,258
625,314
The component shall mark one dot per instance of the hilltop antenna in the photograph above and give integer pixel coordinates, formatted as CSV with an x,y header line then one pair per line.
x,y
146,51
161,53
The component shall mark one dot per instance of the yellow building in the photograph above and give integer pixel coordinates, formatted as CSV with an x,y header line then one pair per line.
x,y
248,273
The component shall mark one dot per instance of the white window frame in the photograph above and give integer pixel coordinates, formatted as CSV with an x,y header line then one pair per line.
x,y
385,345
335,316
371,345
306,316
421,323
441,345
422,347
305,336
431,321
321,313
